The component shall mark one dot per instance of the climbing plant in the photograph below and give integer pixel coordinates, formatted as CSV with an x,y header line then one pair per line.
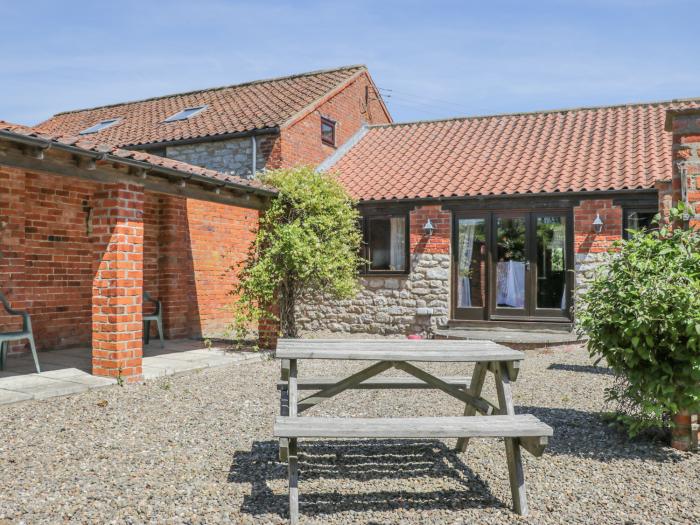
x,y
307,242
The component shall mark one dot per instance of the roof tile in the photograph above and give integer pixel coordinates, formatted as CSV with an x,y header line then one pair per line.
x,y
586,149
232,109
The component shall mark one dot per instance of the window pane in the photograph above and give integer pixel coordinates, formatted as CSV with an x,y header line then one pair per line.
x,y
471,271
387,244
640,220
510,269
551,262
327,131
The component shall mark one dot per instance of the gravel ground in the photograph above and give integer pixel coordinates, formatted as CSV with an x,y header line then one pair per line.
x,y
198,449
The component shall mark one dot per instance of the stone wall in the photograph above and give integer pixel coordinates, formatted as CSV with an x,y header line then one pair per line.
x,y
395,304
389,304
229,156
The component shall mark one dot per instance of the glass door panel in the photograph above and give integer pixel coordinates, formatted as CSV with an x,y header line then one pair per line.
x,y
512,265
551,262
472,256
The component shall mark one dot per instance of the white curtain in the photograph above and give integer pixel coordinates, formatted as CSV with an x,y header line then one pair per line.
x,y
467,228
397,248
511,284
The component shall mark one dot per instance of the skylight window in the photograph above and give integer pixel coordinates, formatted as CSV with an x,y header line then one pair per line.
x,y
185,114
104,124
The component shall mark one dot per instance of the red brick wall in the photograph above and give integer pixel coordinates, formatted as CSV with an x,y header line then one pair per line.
x,y
51,275
439,241
48,245
220,236
301,142
586,240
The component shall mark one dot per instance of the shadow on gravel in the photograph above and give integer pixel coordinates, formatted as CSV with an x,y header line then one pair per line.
x,y
586,434
590,369
358,462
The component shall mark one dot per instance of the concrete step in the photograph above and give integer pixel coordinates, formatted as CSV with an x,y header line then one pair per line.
x,y
503,335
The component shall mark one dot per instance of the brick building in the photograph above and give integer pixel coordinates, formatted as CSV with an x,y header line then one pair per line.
x,y
468,222
99,205
521,208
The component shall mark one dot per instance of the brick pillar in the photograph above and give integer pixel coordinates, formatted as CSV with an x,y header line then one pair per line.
x,y
175,267
269,329
12,248
117,234
686,431
685,125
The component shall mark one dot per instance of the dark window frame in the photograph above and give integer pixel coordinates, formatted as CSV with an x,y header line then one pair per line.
x,y
626,211
366,253
332,124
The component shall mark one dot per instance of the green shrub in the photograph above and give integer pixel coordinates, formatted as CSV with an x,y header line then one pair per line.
x,y
307,241
642,314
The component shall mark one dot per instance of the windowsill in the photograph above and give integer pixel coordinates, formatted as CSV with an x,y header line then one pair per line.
x,y
383,273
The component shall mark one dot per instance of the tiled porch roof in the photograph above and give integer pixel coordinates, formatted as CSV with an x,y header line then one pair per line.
x,y
88,144
586,149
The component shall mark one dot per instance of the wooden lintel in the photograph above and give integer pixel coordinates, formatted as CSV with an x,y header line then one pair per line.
x,y
33,152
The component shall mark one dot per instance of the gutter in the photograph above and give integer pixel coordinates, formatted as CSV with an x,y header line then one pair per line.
x,y
476,198
45,144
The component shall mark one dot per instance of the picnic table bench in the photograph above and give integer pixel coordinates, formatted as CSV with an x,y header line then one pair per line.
x,y
518,431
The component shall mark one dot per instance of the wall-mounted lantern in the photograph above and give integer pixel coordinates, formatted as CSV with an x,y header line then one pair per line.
x,y
428,228
598,223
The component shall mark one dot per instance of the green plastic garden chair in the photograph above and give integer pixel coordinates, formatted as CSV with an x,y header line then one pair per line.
x,y
25,333
156,316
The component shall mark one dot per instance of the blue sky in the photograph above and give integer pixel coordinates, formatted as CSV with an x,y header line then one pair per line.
x,y
439,59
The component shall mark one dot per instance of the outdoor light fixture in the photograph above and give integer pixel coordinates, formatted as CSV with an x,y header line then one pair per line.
x,y
428,228
598,223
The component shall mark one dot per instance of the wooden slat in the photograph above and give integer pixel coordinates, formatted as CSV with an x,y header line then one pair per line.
x,y
475,388
348,382
396,350
375,383
411,427
480,404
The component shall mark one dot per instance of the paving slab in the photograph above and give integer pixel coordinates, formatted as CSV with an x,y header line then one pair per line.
x,y
9,396
39,387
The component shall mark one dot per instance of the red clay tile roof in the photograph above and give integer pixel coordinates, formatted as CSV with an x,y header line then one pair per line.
x,y
89,144
232,109
586,149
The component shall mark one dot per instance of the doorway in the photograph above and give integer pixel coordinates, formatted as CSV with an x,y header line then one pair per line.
x,y
512,265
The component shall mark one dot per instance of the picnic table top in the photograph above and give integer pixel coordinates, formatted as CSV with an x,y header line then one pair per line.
x,y
426,350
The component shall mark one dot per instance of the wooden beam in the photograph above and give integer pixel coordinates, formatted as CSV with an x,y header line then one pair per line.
x,y
534,445
345,384
483,406
157,183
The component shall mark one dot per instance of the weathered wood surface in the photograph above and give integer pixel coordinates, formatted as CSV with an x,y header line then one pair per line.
x,y
411,427
534,445
396,350
293,468
475,388
344,384
515,465
375,383
483,406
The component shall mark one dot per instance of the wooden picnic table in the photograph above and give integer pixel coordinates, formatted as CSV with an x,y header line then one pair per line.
x,y
504,363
